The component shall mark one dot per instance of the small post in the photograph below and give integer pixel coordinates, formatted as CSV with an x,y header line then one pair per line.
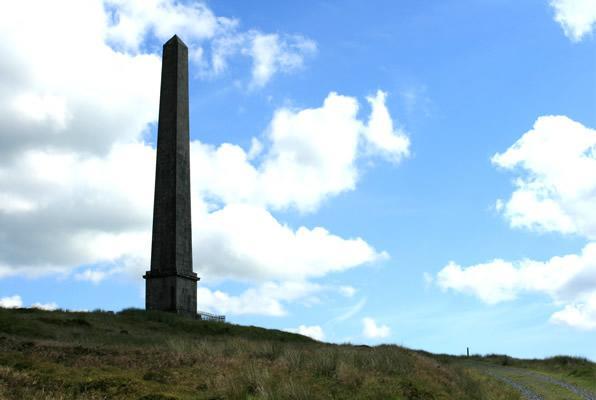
x,y
468,351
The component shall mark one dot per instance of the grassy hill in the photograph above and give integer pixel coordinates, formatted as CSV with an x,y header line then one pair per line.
x,y
554,378
575,370
135,354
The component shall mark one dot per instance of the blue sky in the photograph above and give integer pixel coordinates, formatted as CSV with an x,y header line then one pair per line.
x,y
418,173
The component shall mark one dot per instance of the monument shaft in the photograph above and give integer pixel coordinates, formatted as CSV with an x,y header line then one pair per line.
x,y
171,284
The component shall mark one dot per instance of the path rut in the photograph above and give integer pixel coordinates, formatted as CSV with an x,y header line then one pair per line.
x,y
500,374
584,394
524,391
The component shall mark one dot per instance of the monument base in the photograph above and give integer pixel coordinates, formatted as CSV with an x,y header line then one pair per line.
x,y
173,292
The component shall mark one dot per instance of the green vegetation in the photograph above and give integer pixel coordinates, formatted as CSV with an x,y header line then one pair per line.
x,y
549,378
156,356
575,370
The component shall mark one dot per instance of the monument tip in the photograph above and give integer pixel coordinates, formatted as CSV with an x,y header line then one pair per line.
x,y
175,39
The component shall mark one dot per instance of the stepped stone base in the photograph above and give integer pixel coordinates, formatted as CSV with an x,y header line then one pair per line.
x,y
171,292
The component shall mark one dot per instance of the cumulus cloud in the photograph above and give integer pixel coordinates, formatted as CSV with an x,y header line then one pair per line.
x,y
80,209
130,21
322,145
97,275
106,90
244,241
580,315
272,53
315,331
476,280
11,302
311,156
556,161
76,171
45,306
266,299
371,330
564,278
213,40
576,17
65,91
380,133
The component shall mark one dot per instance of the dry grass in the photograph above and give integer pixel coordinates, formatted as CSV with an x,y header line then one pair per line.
x,y
138,355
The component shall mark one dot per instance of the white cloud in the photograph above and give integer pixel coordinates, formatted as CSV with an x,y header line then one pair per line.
x,y
87,99
11,302
69,150
580,315
555,193
315,331
351,311
97,275
562,277
38,108
557,186
256,147
45,306
569,280
347,291
76,174
91,275
311,156
82,209
380,132
371,330
76,178
491,282
266,299
576,17
247,242
52,97
132,20
271,54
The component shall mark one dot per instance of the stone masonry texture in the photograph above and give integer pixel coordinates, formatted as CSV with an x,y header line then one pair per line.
x,y
171,283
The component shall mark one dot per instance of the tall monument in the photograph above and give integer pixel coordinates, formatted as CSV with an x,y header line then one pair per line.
x,y
171,285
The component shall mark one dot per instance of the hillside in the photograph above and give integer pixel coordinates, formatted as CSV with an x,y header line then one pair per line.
x,y
135,354
554,378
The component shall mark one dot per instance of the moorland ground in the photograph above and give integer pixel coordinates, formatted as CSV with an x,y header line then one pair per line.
x,y
136,354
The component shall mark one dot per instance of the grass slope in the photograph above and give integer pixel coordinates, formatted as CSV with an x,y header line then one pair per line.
x,y
151,355
575,370
546,377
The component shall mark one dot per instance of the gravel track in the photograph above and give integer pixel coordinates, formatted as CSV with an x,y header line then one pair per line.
x,y
584,394
525,392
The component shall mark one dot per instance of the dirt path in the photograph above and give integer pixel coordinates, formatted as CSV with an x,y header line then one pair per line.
x,y
525,392
584,394
528,382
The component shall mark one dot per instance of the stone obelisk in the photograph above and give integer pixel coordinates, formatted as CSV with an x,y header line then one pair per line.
x,y
171,285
